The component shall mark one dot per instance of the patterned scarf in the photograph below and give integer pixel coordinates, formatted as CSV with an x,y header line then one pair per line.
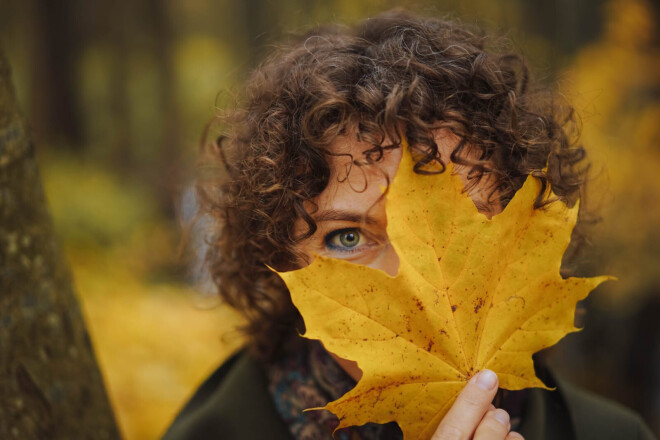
x,y
310,378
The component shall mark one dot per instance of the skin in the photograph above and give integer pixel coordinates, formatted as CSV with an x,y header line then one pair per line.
x,y
352,224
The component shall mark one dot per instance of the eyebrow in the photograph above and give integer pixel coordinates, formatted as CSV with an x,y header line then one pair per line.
x,y
339,215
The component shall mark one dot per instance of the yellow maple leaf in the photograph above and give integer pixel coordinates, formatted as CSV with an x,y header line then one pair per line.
x,y
471,293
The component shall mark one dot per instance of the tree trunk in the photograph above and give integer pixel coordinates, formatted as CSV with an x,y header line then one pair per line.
x,y
55,105
50,384
169,158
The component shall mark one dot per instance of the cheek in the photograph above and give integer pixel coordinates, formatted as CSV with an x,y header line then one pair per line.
x,y
387,261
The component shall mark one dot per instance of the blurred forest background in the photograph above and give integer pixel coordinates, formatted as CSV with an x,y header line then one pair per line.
x,y
119,93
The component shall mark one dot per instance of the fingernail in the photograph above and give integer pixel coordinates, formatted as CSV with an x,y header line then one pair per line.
x,y
501,416
513,434
487,380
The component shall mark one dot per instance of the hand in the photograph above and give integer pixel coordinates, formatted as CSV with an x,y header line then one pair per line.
x,y
473,416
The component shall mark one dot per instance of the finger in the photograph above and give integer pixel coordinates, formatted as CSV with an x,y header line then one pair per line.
x,y
469,408
494,426
514,436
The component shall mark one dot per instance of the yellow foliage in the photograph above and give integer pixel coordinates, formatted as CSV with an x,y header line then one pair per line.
x,y
471,293
613,84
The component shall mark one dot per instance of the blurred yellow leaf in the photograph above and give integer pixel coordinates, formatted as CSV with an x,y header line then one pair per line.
x,y
471,293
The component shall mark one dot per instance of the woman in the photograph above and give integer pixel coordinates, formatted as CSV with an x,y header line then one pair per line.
x,y
318,134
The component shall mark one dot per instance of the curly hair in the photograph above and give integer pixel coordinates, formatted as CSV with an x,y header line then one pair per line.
x,y
392,76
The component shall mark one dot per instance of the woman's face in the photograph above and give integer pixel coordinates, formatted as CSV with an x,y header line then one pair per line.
x,y
351,216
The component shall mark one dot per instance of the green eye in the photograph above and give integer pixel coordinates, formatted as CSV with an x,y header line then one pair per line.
x,y
349,239
343,239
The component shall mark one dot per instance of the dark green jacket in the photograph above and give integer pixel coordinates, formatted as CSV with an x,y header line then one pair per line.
x,y
234,404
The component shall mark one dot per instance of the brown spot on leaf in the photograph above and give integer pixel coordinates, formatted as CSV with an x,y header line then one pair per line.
x,y
454,307
478,305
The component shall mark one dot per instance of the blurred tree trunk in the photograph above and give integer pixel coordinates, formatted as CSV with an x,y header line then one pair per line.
x,y
120,35
568,24
258,20
50,384
169,156
55,110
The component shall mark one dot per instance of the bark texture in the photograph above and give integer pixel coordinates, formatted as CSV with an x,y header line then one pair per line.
x,y
50,383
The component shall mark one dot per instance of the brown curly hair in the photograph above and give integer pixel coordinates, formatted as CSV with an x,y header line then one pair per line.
x,y
392,76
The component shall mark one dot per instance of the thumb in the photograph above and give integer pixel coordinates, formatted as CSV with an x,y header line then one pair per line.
x,y
466,413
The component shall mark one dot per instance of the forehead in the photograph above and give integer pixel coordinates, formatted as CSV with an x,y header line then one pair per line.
x,y
355,185
348,161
